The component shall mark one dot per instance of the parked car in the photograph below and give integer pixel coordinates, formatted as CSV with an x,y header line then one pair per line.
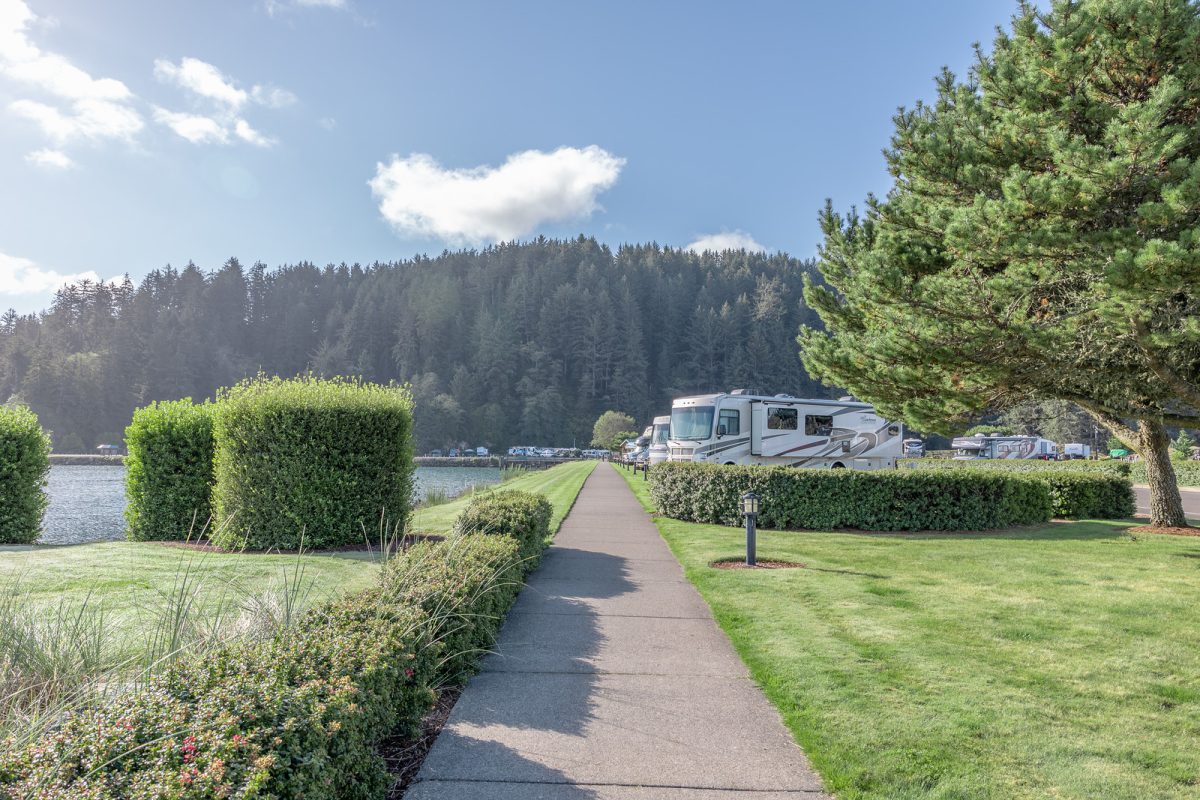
x,y
436,453
453,452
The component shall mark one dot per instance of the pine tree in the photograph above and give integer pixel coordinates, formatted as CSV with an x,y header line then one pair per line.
x,y
1039,239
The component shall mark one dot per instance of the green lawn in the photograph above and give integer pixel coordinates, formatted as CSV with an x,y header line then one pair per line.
x,y
1059,661
559,484
132,582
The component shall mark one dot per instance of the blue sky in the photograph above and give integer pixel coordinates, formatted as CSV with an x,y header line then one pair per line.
x,y
136,134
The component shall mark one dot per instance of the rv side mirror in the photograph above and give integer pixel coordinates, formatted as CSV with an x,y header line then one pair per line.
x,y
721,430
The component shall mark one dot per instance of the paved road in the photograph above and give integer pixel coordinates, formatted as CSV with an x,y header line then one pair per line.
x,y
1191,501
612,681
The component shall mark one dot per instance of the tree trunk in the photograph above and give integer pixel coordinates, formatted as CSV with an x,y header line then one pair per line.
x,y
1166,506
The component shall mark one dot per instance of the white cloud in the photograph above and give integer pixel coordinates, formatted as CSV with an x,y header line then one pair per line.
x,y
224,100
418,196
248,134
202,78
196,128
53,159
272,96
328,123
85,107
20,276
275,6
727,240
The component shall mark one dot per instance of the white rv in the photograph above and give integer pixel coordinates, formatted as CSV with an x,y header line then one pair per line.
x,y
969,448
738,428
659,449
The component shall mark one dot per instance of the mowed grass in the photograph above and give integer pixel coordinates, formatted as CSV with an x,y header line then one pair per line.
x,y
1059,661
133,582
560,485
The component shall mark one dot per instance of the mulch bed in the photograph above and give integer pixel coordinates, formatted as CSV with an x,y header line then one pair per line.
x,y
1167,531
404,757
204,546
760,564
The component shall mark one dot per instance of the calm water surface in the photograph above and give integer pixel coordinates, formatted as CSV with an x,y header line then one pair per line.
x,y
87,504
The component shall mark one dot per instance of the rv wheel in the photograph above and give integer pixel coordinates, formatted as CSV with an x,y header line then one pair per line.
x,y
838,465
729,464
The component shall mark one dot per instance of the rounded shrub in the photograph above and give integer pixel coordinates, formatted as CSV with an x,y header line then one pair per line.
x,y
521,515
908,500
24,465
310,462
169,470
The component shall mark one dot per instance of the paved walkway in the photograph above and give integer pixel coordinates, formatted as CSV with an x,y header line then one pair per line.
x,y
612,681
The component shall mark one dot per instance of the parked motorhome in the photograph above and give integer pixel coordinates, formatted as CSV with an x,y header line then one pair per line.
x,y
914,448
659,450
995,446
737,428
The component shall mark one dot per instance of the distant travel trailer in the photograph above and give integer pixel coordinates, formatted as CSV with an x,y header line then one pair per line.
x,y
1075,450
737,428
967,448
914,447
660,451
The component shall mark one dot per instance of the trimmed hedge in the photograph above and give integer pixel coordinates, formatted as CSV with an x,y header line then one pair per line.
x,y
1085,495
300,716
310,461
522,515
1187,473
1023,465
908,500
169,470
24,464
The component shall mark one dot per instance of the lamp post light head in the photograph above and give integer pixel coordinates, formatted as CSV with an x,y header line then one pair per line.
x,y
749,503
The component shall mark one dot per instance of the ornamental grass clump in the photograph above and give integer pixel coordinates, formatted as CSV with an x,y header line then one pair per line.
x,y
169,470
24,465
310,462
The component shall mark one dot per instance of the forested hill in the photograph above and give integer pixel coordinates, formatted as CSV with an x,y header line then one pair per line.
x,y
520,343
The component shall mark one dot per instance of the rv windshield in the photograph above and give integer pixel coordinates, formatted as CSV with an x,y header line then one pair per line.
x,y
660,434
692,423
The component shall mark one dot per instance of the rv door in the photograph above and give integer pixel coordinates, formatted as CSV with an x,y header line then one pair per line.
x,y
758,421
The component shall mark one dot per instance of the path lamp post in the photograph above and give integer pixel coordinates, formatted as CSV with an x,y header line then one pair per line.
x,y
750,511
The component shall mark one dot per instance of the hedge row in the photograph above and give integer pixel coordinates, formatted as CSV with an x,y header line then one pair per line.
x,y
1029,465
1186,472
277,464
301,715
831,499
24,464
169,470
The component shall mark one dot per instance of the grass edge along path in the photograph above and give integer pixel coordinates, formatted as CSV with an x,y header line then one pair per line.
x,y
1051,661
559,484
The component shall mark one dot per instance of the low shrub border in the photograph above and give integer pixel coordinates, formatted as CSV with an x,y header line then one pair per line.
x,y
1187,473
311,462
1022,465
1083,495
908,500
169,470
300,715
24,464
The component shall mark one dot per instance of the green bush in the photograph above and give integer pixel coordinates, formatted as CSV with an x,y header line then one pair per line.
x,y
521,515
311,462
1023,465
1086,495
24,464
1186,472
832,499
465,584
169,470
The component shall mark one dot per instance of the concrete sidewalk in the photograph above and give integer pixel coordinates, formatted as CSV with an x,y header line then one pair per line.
x,y
612,681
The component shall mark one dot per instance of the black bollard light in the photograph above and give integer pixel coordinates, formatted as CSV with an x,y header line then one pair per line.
x,y
750,511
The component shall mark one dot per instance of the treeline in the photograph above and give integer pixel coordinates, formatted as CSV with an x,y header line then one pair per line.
x,y
516,343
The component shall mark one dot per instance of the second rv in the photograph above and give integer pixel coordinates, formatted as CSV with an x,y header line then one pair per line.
x,y
737,428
